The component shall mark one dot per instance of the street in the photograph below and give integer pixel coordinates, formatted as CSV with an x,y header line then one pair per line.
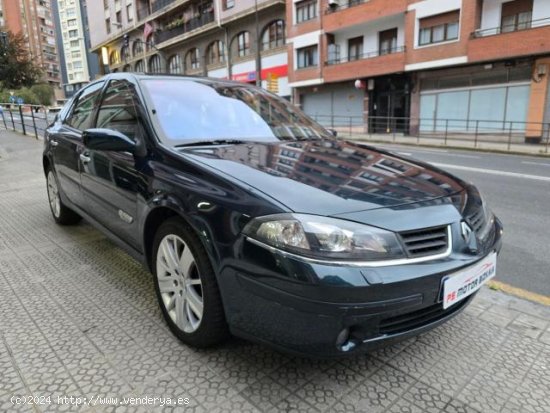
x,y
517,189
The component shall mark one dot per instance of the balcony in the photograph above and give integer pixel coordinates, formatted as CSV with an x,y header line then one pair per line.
x,y
365,65
185,27
160,4
348,13
525,39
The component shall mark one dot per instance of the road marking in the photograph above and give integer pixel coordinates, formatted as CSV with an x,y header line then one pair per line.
x,y
519,292
430,152
493,172
535,163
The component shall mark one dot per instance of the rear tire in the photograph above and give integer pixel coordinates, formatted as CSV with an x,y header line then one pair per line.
x,y
61,213
186,286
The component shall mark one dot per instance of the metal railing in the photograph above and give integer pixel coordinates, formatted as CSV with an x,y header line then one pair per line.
x,y
511,28
363,56
27,119
188,26
342,4
475,133
160,4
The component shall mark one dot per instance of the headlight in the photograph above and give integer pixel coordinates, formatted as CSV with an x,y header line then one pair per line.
x,y
324,238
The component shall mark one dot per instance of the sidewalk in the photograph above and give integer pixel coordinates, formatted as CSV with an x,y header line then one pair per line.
x,y
456,142
78,317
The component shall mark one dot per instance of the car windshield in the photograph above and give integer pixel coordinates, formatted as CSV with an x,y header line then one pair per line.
x,y
193,110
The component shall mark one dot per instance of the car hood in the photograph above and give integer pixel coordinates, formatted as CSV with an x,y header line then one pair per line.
x,y
330,177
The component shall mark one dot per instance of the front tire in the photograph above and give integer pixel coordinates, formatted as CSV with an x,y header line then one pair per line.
x,y
186,286
61,213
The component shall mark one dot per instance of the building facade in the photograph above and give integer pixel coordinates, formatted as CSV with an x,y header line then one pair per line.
x,y
34,18
73,42
429,65
214,38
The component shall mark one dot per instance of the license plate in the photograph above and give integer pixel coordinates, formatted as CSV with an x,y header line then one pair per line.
x,y
466,282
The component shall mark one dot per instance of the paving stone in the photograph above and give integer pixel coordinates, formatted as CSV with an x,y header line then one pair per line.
x,y
79,317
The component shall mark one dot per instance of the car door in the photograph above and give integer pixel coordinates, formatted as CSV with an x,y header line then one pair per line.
x,y
67,145
111,180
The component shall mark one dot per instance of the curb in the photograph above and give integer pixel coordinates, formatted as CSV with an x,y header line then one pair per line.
x,y
461,148
519,292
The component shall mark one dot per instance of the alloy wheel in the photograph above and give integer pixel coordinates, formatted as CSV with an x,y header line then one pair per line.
x,y
53,195
180,284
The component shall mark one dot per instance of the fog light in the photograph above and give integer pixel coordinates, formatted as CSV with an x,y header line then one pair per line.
x,y
343,336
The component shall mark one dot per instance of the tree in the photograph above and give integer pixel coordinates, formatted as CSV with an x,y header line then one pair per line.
x,y
27,95
16,66
44,93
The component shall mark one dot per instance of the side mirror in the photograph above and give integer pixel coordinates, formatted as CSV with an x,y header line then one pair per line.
x,y
107,140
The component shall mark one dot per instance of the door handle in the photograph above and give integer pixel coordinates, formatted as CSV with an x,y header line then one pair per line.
x,y
85,158
54,143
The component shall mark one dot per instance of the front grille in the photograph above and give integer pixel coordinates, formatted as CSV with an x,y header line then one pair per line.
x,y
419,318
425,242
476,220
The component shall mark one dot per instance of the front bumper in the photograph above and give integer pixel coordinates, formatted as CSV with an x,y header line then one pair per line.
x,y
346,311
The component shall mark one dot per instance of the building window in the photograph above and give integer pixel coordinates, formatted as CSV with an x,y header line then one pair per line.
x,y
306,10
174,65
355,48
440,28
118,16
74,43
307,57
130,12
192,59
127,68
75,55
105,4
516,15
242,44
108,25
140,66
387,41
71,23
154,64
274,35
77,64
215,54
137,47
114,58
73,33
228,4
125,53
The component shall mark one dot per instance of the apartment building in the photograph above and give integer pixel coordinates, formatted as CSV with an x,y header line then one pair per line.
x,y
34,19
214,38
77,69
409,65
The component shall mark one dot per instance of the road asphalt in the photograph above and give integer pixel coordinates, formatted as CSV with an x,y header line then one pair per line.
x,y
517,189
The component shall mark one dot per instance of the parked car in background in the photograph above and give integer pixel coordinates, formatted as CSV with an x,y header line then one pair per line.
x,y
256,221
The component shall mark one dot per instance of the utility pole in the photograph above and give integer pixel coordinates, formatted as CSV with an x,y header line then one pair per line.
x,y
258,54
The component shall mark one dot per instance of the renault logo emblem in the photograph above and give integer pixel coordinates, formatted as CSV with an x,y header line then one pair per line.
x,y
466,231
469,237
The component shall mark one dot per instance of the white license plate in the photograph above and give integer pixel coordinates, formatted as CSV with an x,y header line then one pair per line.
x,y
466,282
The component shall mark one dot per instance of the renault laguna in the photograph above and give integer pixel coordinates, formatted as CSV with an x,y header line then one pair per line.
x,y
257,222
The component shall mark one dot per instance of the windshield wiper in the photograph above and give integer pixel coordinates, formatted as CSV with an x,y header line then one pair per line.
x,y
208,142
